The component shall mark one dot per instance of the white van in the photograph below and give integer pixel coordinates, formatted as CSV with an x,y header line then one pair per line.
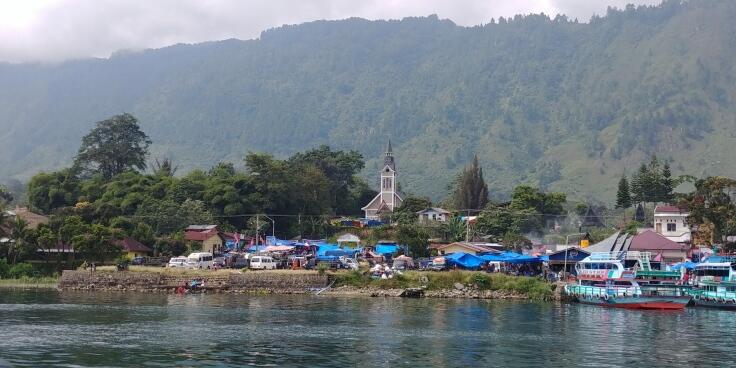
x,y
262,263
200,260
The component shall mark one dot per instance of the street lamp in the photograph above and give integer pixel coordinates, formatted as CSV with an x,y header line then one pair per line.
x,y
273,229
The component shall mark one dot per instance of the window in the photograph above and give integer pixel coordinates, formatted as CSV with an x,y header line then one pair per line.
x,y
671,227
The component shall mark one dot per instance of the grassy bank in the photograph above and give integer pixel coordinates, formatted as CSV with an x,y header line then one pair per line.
x,y
30,283
534,288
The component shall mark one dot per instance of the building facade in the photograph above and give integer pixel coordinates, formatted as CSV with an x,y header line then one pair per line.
x,y
388,199
671,222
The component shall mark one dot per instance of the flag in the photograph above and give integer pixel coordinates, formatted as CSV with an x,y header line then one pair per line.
x,y
236,238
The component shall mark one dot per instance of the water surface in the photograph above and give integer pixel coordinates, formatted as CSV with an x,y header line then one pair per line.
x,y
127,329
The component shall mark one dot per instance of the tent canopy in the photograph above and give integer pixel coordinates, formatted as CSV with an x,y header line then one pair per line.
x,y
464,260
384,249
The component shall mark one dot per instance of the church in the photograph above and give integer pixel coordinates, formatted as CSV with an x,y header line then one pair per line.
x,y
388,198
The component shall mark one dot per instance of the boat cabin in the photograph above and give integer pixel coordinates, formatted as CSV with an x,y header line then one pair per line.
x,y
715,272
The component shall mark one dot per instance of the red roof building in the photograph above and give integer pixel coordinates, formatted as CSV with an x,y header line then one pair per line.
x,y
667,250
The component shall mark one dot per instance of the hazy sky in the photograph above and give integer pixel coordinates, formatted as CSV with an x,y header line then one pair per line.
x,y
54,30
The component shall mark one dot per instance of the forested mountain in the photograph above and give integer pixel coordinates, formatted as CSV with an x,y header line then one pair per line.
x,y
550,102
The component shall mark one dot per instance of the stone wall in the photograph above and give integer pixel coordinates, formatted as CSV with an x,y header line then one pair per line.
x,y
152,281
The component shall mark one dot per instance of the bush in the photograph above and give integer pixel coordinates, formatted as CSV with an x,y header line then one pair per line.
x,y
4,269
322,268
22,270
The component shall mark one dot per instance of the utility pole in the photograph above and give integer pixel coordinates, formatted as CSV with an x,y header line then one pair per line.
x,y
467,227
256,232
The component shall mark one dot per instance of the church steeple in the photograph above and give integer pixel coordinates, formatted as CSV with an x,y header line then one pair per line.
x,y
389,159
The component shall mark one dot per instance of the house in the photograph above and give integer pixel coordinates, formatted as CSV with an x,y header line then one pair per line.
x,y
207,235
31,218
671,222
433,214
662,249
388,199
348,240
473,248
566,258
133,248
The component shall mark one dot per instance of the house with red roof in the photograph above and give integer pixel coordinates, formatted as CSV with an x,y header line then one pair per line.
x,y
662,249
208,236
671,222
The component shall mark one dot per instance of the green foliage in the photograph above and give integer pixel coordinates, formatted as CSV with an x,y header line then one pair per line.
x,y
415,237
713,202
97,244
407,212
523,94
114,146
47,191
5,195
471,192
4,268
20,270
322,267
623,196
652,183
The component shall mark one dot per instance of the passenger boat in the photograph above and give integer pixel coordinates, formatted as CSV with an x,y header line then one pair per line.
x,y
603,280
715,284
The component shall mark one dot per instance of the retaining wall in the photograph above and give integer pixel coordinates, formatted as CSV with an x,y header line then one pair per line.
x,y
152,281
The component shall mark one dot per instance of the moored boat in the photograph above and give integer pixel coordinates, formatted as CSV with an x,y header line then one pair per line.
x,y
716,284
604,280
626,293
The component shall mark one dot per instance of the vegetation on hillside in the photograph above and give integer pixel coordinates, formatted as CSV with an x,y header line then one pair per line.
x,y
549,102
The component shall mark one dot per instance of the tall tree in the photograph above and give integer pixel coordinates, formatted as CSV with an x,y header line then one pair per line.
x,y
713,202
666,185
471,191
115,145
623,196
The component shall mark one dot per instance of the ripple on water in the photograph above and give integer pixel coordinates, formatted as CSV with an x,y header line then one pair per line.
x,y
118,329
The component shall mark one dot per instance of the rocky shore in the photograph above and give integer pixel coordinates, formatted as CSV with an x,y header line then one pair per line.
x,y
261,283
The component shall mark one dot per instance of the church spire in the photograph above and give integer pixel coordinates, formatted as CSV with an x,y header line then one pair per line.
x,y
389,159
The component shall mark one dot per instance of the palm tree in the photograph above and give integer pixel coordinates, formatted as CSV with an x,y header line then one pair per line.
x,y
19,233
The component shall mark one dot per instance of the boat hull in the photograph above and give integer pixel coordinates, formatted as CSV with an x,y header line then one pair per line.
x,y
715,304
638,302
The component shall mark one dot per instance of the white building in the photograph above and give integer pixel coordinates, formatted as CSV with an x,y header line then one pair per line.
x,y
671,222
388,198
434,214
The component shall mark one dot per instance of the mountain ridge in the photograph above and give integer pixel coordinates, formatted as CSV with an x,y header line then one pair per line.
x,y
564,105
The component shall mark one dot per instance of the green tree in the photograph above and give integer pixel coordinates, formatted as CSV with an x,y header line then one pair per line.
x,y
48,191
666,185
623,195
471,191
407,212
98,244
5,195
114,146
713,202
415,237
20,243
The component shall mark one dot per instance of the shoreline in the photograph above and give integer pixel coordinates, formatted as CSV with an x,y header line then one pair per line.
x,y
448,285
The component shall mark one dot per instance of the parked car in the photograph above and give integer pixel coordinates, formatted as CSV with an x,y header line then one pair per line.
x,y
138,261
240,262
262,263
218,262
200,260
177,262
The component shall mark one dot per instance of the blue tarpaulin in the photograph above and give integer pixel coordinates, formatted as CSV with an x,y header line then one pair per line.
x,y
510,257
323,248
387,249
341,252
464,260
687,265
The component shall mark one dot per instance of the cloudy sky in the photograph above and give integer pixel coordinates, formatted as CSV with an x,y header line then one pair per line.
x,y
56,30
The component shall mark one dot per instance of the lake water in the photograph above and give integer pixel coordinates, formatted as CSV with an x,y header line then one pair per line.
x,y
123,329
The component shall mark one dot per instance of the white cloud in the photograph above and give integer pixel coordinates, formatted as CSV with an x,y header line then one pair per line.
x,y
54,30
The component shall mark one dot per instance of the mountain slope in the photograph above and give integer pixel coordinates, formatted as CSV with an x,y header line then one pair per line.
x,y
561,104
